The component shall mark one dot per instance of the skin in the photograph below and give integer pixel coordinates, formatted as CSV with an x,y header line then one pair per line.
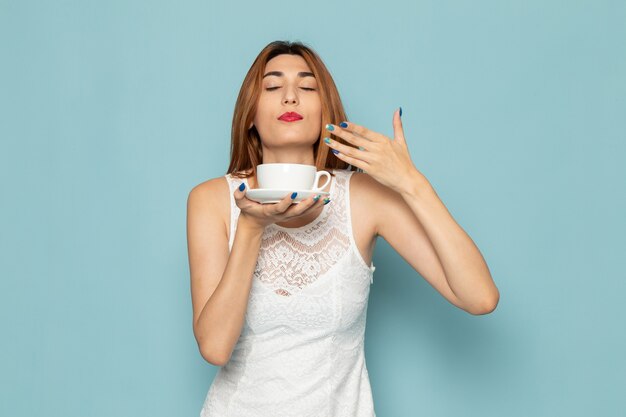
x,y
391,199
420,228
289,142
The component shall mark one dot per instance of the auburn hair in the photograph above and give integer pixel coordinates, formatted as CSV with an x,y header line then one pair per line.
x,y
246,151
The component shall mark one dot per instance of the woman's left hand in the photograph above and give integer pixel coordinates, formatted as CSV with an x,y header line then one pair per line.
x,y
386,160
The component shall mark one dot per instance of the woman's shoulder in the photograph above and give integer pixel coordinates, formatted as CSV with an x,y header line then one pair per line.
x,y
212,195
366,184
211,186
360,182
358,178
365,191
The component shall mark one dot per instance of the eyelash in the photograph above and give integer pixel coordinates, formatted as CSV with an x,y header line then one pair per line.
x,y
304,88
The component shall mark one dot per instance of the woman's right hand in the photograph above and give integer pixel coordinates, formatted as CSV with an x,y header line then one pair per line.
x,y
260,215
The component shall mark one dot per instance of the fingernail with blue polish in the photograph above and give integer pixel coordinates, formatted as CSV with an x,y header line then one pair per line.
x,y
327,140
343,124
330,127
335,151
400,111
294,195
242,186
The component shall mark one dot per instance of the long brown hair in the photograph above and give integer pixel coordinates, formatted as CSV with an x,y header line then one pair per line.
x,y
246,151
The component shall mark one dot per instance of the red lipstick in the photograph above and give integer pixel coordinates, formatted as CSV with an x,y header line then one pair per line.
x,y
290,116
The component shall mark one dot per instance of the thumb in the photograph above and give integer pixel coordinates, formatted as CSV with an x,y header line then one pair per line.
x,y
398,131
240,192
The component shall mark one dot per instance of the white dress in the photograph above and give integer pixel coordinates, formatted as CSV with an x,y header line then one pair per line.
x,y
301,350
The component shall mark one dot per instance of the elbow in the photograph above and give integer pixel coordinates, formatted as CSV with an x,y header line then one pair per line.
x,y
211,349
213,357
212,354
488,305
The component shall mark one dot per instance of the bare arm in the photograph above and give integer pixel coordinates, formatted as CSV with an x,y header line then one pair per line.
x,y
410,237
221,281
464,267
432,240
219,325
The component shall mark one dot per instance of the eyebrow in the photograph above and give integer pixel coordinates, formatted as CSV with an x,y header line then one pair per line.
x,y
280,74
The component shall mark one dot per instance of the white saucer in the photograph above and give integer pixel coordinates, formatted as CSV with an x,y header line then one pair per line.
x,y
268,195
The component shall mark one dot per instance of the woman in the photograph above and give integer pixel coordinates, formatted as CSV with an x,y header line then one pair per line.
x,y
280,291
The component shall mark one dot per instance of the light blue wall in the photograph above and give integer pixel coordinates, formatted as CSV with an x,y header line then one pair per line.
x,y
111,111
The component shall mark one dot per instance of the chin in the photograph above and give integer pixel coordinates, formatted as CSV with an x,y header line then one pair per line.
x,y
292,135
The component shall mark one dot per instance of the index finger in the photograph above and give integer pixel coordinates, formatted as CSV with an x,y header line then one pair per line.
x,y
361,131
287,201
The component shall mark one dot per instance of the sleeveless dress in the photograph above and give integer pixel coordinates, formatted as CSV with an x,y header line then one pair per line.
x,y
301,348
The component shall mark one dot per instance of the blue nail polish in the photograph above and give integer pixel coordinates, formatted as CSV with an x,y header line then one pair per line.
x,y
242,186
335,151
343,124
294,195
330,127
327,140
326,201
400,111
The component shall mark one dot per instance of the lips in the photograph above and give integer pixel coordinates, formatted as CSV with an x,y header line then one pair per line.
x,y
290,116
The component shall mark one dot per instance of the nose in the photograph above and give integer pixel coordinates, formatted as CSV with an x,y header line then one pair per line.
x,y
290,96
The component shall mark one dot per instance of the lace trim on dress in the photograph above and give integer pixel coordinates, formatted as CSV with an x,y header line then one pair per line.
x,y
291,259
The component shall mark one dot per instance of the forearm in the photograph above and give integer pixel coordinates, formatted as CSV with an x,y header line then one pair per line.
x,y
465,268
221,320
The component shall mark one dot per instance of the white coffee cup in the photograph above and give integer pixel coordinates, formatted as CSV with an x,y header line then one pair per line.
x,y
284,176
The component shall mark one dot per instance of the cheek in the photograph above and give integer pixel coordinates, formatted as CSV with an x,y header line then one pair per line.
x,y
318,107
262,112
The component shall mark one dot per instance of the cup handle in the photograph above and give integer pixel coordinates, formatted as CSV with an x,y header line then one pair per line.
x,y
318,175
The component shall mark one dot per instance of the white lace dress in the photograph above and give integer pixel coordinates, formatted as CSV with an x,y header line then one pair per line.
x,y
301,350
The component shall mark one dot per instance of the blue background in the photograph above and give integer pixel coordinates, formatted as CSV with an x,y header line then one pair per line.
x,y
111,111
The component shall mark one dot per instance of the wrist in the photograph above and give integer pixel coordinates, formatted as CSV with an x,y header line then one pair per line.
x,y
416,185
248,225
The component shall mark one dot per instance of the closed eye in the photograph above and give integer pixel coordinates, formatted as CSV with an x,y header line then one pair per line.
x,y
304,88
